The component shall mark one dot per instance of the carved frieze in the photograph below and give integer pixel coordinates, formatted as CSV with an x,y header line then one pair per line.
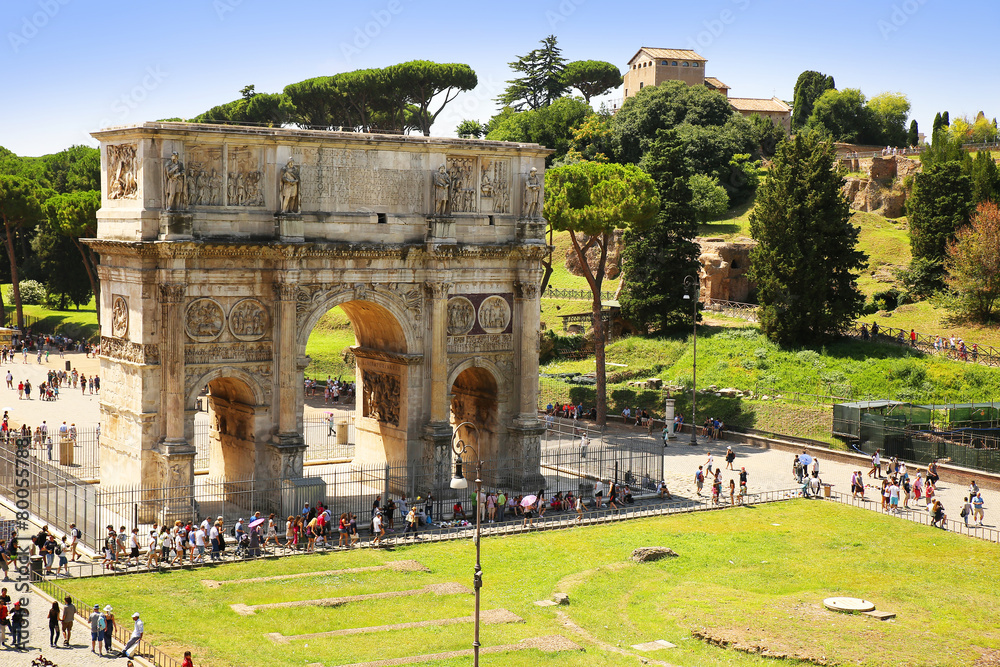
x,y
480,343
216,353
119,317
461,316
463,175
123,182
380,394
125,350
494,314
495,185
204,175
204,319
245,185
310,297
249,320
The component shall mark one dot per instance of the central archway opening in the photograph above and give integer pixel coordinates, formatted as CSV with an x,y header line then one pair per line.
x,y
474,398
355,385
231,429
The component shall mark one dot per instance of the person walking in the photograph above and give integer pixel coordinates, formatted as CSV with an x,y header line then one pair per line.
x,y
977,505
96,631
109,628
411,522
966,510
876,471
54,624
18,621
730,457
68,618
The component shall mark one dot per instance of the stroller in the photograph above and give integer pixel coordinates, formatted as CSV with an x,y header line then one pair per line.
x,y
243,546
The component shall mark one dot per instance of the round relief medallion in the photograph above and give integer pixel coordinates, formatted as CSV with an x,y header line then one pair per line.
x,y
205,320
461,316
248,320
119,317
494,314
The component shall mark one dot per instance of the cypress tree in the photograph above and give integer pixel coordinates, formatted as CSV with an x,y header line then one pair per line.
x,y
806,262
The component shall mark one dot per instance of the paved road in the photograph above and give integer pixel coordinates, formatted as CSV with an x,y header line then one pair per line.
x,y
76,655
771,470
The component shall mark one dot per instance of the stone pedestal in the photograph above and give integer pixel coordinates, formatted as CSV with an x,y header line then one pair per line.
x,y
526,436
175,226
440,229
295,493
287,452
531,229
668,418
177,496
289,227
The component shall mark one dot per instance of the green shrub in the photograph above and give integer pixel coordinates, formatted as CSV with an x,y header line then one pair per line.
x,y
33,293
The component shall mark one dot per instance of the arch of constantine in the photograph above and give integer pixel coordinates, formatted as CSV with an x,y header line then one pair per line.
x,y
221,247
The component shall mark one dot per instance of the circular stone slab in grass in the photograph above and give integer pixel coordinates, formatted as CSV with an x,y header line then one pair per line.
x,y
849,605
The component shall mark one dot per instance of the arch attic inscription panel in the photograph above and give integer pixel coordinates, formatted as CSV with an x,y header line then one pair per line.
x,y
221,247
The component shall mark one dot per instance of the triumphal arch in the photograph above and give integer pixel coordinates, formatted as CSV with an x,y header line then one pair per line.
x,y
221,247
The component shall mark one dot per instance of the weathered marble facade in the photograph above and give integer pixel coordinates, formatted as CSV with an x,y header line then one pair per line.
x,y
216,264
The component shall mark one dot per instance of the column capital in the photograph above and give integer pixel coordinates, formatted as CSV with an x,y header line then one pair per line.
x,y
172,292
285,291
436,290
524,289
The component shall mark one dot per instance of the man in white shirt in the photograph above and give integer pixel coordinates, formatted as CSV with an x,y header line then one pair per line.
x,y
137,633
213,535
199,542
599,493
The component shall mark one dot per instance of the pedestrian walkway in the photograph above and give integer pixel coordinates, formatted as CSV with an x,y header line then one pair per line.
x,y
77,654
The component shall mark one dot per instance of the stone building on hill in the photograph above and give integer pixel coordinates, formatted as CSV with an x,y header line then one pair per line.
x,y
652,67
775,110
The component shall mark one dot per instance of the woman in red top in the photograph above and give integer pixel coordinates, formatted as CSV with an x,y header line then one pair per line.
x,y
342,529
187,660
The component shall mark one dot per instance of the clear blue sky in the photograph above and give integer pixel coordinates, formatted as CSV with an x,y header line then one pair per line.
x,y
72,66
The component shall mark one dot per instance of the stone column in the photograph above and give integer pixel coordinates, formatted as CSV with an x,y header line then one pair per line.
x,y
526,431
177,472
288,445
172,360
437,431
528,317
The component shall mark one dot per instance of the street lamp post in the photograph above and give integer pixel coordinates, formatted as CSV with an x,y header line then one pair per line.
x,y
691,283
459,482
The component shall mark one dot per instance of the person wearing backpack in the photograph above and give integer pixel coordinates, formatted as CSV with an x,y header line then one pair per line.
x,y
699,479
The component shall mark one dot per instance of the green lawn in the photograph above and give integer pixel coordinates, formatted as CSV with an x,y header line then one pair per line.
x,y
754,575
72,322
327,341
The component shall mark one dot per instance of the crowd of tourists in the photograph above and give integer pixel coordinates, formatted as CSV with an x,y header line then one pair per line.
x,y
332,390
949,346
738,495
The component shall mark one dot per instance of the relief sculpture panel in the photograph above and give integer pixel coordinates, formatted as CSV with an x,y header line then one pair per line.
x,y
461,316
246,179
204,175
495,186
119,317
380,393
249,320
204,319
494,314
463,174
123,182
